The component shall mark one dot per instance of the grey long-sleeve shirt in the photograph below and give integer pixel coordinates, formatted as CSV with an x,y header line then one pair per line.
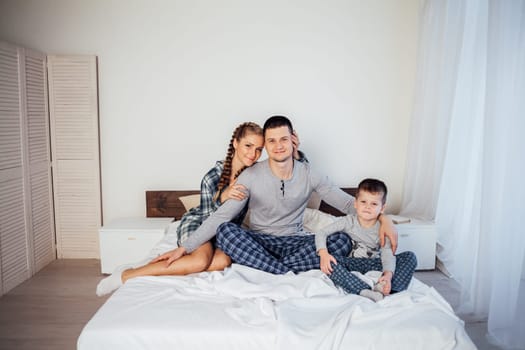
x,y
276,206
365,240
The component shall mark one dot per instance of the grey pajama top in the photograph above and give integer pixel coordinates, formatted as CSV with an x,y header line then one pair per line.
x,y
275,206
365,241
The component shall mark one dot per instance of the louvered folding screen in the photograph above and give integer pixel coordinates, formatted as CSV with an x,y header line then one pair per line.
x,y
73,108
14,262
38,162
26,211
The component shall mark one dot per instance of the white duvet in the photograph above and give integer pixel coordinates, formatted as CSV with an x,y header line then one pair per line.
x,y
243,308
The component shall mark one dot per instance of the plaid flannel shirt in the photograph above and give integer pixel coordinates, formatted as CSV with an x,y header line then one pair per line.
x,y
195,216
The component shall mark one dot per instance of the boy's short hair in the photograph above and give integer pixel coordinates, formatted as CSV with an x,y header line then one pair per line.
x,y
372,186
277,121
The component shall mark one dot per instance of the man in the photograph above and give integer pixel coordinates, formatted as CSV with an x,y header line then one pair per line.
x,y
278,190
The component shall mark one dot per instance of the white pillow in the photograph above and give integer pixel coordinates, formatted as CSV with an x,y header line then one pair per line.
x,y
314,220
190,201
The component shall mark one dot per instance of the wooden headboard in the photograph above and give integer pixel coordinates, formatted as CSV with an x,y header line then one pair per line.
x,y
331,210
167,203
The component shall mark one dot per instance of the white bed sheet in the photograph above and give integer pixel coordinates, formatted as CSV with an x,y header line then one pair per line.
x,y
243,308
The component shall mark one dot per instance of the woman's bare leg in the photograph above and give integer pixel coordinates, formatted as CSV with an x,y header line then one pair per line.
x,y
220,261
196,261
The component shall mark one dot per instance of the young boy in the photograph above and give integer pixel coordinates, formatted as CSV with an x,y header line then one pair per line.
x,y
366,254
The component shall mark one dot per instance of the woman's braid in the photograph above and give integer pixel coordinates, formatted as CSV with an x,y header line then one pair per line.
x,y
239,132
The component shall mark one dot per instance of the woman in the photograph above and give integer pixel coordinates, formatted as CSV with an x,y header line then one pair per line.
x,y
217,186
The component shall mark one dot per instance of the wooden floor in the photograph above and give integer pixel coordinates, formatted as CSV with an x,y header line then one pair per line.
x,y
49,310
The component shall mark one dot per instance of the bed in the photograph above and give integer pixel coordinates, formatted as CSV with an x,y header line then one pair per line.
x,y
243,308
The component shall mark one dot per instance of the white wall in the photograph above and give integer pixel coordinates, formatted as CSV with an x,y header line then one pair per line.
x,y
176,77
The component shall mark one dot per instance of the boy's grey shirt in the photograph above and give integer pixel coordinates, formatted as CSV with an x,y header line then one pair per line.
x,y
276,206
365,241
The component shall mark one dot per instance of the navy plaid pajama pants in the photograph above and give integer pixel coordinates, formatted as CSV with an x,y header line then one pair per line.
x,y
276,254
406,263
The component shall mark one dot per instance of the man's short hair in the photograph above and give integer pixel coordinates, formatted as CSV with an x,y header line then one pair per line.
x,y
372,186
277,121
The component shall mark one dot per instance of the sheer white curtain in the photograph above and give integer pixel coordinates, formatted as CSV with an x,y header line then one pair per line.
x,y
466,166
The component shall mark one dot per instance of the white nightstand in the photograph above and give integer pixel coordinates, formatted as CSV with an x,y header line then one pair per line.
x,y
420,238
129,240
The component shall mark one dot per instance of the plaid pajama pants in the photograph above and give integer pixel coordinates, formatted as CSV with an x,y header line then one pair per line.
x,y
276,254
341,276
